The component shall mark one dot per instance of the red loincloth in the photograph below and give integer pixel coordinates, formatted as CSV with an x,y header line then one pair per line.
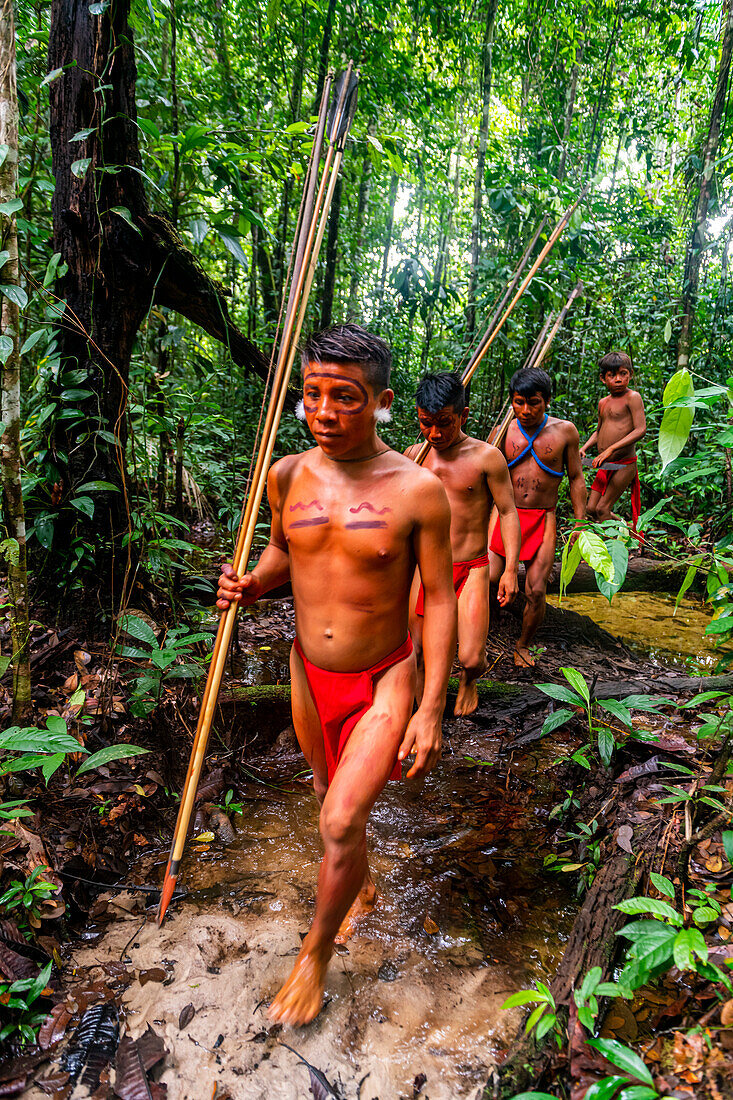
x,y
532,523
600,484
461,569
341,698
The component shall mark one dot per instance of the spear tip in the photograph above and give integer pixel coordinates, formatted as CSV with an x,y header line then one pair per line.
x,y
169,885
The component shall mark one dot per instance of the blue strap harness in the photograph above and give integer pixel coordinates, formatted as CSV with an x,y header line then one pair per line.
x,y
529,450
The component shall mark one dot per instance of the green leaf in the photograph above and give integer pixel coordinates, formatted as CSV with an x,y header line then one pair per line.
x,y
524,997
85,505
112,752
593,550
82,135
97,487
605,1088
688,943
559,691
633,906
534,1096
705,914
138,628
620,558
622,1057
677,419
50,77
12,206
33,739
6,348
273,13
124,213
32,341
80,167
637,1092
534,1017
231,241
52,764
605,744
689,578
569,563
577,681
15,293
556,719
663,884
148,128
617,709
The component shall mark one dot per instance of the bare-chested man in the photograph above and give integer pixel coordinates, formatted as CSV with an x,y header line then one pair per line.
x,y
351,519
538,449
621,424
474,476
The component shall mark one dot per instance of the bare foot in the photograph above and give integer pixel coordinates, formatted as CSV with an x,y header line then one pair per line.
x,y
523,658
299,1001
362,904
467,698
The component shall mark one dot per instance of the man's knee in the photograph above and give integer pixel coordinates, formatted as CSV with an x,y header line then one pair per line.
x,y
535,591
472,660
340,827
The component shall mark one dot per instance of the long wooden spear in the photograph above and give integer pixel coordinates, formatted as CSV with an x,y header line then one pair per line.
x,y
535,357
486,343
314,216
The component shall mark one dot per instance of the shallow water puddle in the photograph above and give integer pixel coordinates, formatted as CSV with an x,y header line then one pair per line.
x,y
463,919
645,621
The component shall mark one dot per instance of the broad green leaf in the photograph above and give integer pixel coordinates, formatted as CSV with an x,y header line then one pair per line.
x,y
534,1096
577,681
637,1092
689,578
646,517
534,1016
556,719
620,558
677,419
79,168
82,135
605,744
593,550
32,340
688,943
50,77
231,241
138,628
559,691
33,739
124,213
524,997
12,206
622,1057
663,884
97,487
16,294
633,906
589,983
569,563
605,1088
112,752
84,505
6,348
617,709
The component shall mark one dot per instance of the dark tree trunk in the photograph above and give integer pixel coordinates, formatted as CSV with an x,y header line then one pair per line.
x,y
393,183
358,236
121,258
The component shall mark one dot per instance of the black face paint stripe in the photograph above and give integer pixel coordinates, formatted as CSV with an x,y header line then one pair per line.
x,y
310,409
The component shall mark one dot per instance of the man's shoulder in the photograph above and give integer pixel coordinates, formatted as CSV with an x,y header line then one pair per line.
x,y
485,454
288,465
564,427
635,396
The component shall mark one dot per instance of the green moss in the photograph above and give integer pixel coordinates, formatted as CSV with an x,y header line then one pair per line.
x,y
264,694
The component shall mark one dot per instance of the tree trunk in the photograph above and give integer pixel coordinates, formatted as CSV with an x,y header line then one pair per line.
x,y
323,55
696,242
478,182
569,110
121,258
12,496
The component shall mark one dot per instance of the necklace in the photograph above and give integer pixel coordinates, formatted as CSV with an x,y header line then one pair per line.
x,y
366,458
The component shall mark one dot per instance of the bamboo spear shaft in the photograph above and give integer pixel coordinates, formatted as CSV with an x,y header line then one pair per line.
x,y
498,429
310,236
476,360
534,360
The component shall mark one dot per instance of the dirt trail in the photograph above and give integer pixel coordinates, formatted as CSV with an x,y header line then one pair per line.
x,y
464,918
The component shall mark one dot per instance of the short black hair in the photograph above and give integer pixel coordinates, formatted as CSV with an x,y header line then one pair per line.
x,y
531,380
351,344
613,360
438,391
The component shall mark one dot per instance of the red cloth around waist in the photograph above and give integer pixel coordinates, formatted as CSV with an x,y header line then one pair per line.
x,y
532,523
461,569
342,698
602,478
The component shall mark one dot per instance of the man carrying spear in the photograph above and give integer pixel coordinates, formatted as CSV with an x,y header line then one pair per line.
x,y
351,519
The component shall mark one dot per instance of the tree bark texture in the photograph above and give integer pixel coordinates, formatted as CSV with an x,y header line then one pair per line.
x,y
393,184
14,552
696,242
122,258
352,311
329,275
478,183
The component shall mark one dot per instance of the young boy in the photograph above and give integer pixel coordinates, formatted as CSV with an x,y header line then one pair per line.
x,y
538,449
621,424
475,476
351,519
